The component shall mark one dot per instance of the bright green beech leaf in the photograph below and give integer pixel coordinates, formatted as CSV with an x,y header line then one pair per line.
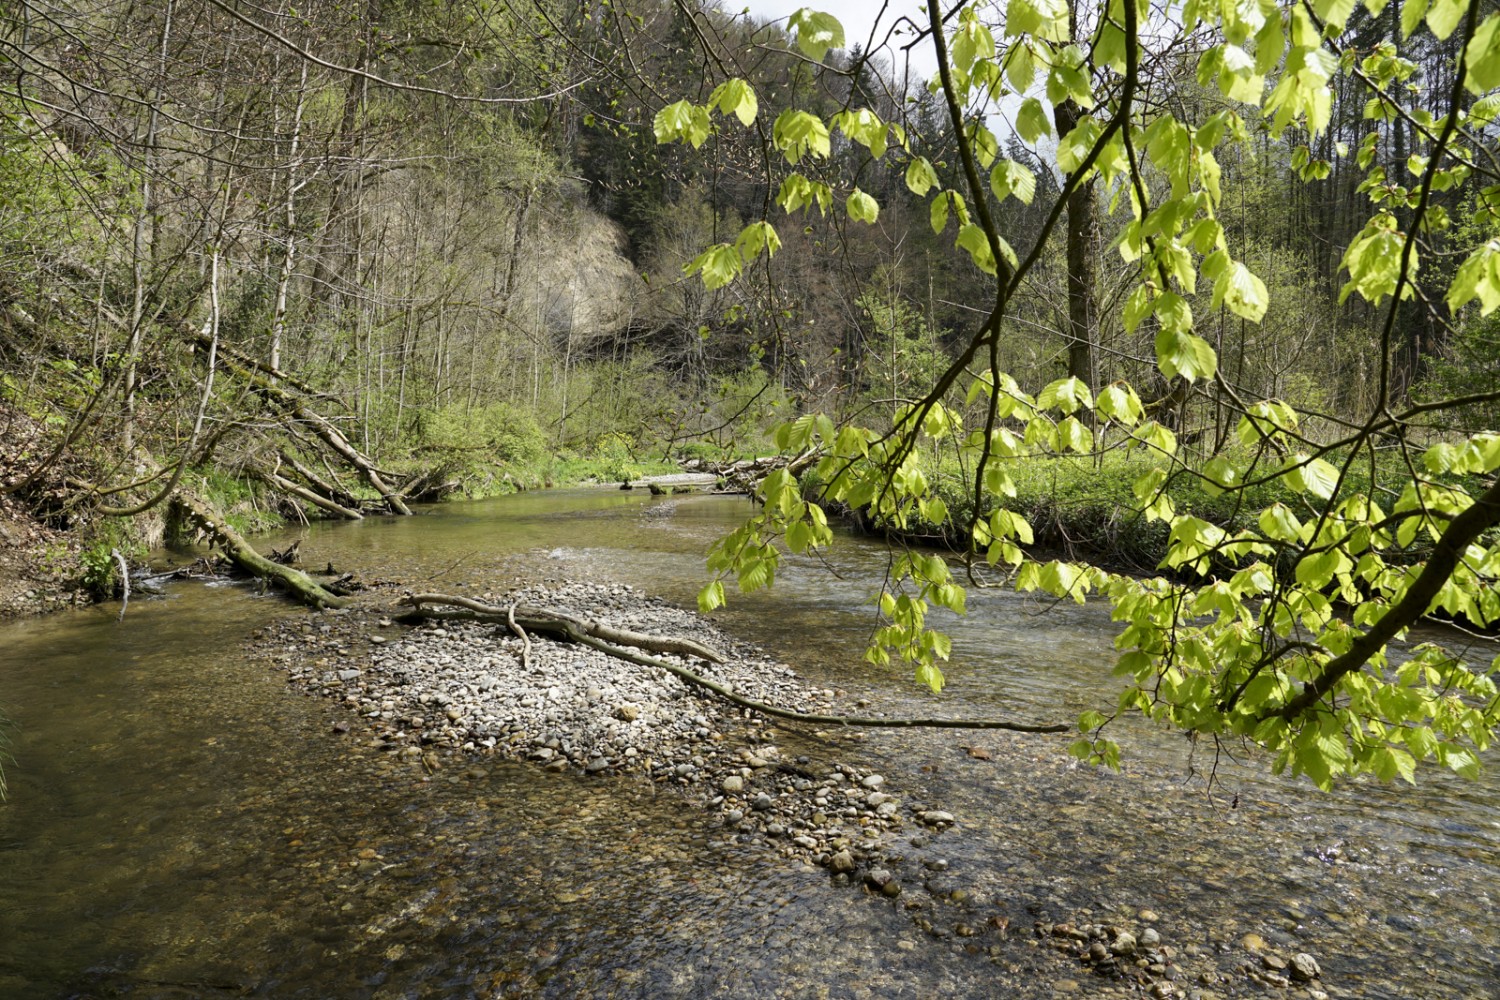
x,y
1181,353
862,208
1443,16
1031,121
920,177
798,134
683,120
816,32
1278,522
736,97
1242,292
1478,278
1313,476
1483,56
1012,178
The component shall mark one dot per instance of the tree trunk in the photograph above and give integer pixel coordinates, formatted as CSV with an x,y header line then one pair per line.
x,y
242,554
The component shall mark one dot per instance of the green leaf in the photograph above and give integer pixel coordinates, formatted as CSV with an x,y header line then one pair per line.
x,y
1074,147
718,265
1066,395
1031,121
1412,12
1073,436
797,134
920,177
1090,721
973,239
1278,522
1443,16
864,127
1483,57
1120,403
1180,353
1313,476
862,208
711,597
736,97
1020,67
1242,292
816,32
797,192
683,120
1335,13
755,238
1317,571
939,212
1478,277
1012,178
972,41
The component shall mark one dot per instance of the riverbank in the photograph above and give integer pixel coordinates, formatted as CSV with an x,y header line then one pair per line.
x,y
443,697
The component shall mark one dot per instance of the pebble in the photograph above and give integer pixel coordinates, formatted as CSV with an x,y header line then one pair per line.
x,y
1305,967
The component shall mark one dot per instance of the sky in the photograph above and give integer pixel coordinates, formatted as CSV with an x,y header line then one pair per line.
x,y
857,17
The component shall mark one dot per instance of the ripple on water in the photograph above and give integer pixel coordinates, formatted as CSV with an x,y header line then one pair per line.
x,y
180,826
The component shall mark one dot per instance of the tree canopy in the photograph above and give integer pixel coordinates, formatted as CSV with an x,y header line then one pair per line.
x,y
1277,625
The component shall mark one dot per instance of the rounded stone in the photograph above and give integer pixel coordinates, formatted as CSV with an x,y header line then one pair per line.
x,y
1305,967
1124,944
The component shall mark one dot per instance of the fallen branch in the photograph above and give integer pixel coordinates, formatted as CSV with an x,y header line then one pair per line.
x,y
510,617
597,636
557,623
243,555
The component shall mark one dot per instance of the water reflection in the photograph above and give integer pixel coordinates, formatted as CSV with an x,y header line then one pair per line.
x,y
181,825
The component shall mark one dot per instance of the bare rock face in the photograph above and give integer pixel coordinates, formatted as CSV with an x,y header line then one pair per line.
x,y
576,277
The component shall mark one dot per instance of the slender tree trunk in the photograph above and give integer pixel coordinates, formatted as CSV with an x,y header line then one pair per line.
x,y
289,221
1081,256
140,244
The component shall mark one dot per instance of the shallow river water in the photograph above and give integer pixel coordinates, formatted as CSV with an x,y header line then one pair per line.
x,y
182,824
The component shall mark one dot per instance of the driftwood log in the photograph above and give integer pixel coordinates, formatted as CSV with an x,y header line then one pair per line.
x,y
624,644
298,584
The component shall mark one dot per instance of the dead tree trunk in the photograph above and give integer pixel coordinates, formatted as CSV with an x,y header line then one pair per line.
x,y
242,554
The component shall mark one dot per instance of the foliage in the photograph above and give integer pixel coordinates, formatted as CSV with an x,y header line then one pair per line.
x,y
1298,661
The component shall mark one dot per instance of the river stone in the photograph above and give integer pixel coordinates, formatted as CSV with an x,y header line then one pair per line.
x,y
842,862
1305,967
1149,938
936,817
733,784
873,781
596,765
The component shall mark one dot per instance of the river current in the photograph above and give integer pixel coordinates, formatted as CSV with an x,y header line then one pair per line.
x,y
183,824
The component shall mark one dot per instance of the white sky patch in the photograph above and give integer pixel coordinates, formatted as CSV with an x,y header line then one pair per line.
x,y
861,27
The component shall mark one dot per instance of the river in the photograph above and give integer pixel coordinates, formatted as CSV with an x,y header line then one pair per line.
x,y
182,824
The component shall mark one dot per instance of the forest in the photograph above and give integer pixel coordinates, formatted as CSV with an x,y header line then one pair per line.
x,y
272,263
